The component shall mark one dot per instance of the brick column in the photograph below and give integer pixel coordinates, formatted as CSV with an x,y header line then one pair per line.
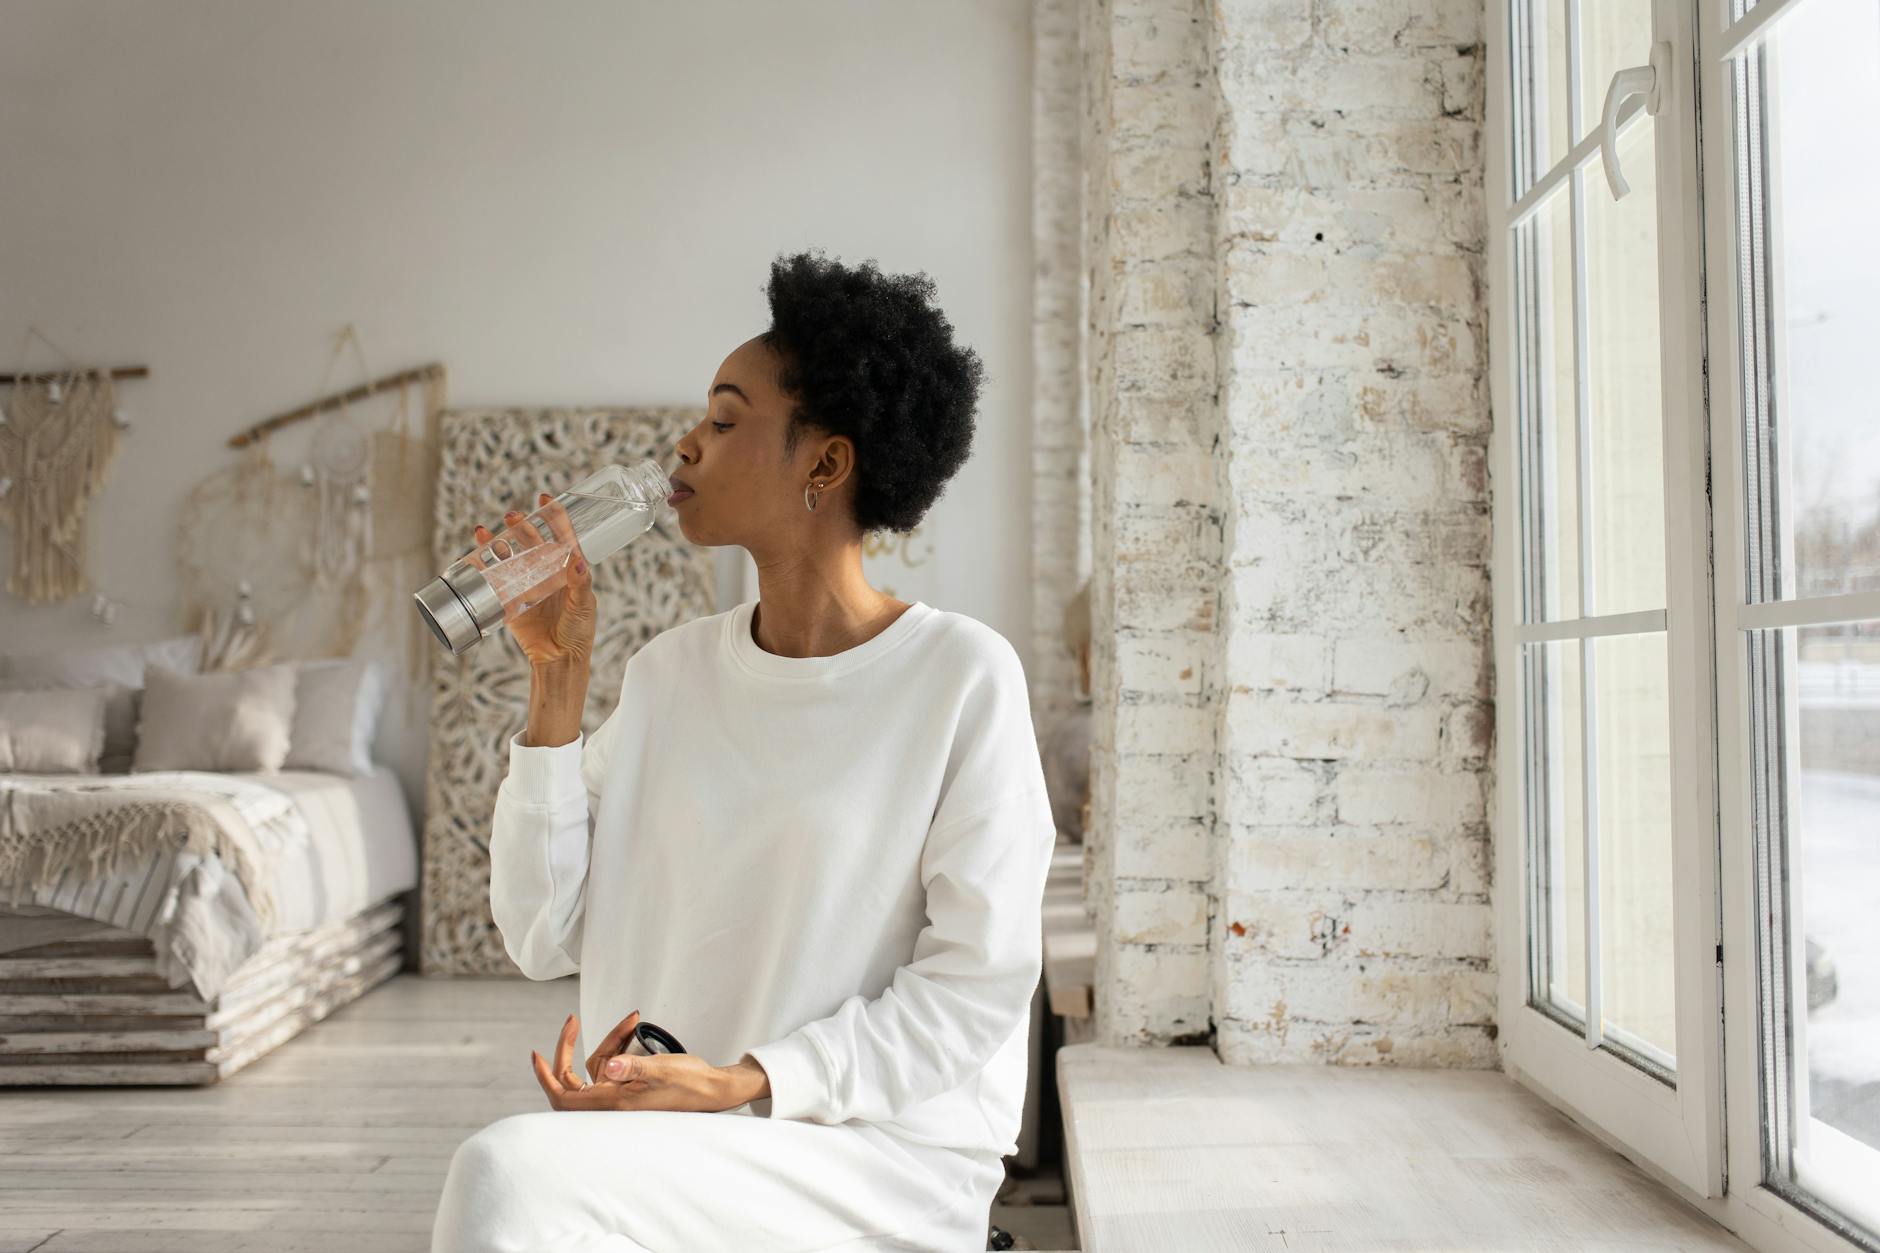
x,y
1289,522
1356,717
1149,211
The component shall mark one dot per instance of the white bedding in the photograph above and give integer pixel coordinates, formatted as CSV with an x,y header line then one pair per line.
x,y
361,848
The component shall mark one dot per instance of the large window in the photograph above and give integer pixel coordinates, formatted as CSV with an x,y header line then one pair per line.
x,y
1687,463
1593,626
1799,96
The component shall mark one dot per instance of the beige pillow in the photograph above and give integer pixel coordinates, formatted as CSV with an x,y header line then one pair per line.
x,y
120,715
224,720
336,713
120,667
52,731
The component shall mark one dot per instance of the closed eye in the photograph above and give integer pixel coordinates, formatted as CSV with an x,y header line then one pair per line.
x,y
722,426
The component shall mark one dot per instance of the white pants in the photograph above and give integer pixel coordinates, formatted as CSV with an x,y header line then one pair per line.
x,y
666,1181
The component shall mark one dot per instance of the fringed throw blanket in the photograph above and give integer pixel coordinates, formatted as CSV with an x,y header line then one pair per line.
x,y
95,826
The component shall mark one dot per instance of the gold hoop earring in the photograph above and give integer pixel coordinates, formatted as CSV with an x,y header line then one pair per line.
x,y
809,501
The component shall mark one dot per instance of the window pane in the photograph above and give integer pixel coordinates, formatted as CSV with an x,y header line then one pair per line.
x,y
1821,76
1557,823
1809,265
1823,872
1614,34
1549,91
1632,711
1624,403
1545,252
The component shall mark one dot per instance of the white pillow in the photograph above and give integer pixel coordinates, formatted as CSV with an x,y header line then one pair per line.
x,y
52,730
120,715
119,667
336,715
225,720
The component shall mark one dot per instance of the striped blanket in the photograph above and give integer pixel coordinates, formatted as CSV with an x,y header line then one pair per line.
x,y
56,827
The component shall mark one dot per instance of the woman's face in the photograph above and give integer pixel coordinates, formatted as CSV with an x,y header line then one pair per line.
x,y
745,489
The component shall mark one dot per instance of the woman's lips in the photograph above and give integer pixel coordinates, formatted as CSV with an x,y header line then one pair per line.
x,y
684,493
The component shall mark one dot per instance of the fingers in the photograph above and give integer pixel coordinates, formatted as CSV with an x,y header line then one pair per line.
x,y
561,526
520,536
559,523
580,573
598,1096
554,1089
527,536
614,1042
524,533
593,1098
565,1089
621,1035
564,1054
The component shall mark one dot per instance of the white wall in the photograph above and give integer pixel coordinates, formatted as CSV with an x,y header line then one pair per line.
x,y
566,203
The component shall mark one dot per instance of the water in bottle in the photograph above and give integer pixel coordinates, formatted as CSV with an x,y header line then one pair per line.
x,y
515,570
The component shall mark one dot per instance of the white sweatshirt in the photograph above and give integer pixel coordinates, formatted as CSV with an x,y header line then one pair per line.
x,y
835,865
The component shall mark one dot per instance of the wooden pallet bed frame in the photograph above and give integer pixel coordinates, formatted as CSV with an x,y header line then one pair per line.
x,y
92,1009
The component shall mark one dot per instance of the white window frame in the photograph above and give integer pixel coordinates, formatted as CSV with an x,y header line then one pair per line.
x,y
1761,1214
1670,1129
1681,1135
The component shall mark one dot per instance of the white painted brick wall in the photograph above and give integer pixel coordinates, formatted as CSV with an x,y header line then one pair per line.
x,y
1353,922
1149,252
1282,235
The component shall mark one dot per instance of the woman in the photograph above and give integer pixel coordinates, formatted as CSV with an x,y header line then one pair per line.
x,y
810,842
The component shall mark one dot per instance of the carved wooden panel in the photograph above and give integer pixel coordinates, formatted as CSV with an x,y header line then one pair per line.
x,y
496,459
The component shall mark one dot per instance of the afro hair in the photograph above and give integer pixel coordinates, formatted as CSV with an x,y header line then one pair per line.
x,y
867,355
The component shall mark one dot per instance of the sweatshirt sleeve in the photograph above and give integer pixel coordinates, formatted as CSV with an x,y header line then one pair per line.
x,y
977,961
540,834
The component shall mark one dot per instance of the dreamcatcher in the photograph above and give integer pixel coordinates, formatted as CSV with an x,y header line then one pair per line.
x,y
350,516
236,535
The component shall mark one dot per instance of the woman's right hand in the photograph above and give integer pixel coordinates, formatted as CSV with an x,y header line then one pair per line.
x,y
560,627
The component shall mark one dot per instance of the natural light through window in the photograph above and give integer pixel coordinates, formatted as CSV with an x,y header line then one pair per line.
x,y
1596,685
1806,98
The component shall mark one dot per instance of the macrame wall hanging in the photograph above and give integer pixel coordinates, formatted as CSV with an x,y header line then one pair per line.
x,y
58,438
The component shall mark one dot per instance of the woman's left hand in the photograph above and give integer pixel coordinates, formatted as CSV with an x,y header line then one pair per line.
x,y
677,1081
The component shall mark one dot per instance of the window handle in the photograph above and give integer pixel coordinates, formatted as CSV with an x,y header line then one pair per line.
x,y
1637,80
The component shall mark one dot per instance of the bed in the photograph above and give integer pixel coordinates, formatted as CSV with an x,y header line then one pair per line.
x,y
162,973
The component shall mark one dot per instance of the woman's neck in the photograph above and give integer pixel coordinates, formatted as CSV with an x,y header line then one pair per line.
x,y
817,613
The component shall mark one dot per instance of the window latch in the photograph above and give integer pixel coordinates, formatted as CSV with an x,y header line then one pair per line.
x,y
1638,80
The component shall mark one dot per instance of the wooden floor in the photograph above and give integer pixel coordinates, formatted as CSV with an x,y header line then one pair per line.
x,y
338,1141
346,1131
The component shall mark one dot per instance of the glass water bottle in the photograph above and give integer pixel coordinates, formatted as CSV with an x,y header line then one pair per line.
x,y
515,571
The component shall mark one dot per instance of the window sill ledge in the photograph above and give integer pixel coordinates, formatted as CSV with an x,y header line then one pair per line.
x,y
1167,1148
